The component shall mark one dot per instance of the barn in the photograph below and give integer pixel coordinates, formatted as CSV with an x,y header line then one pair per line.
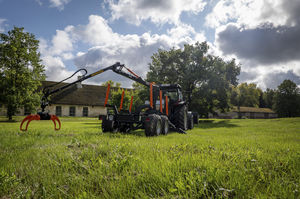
x,y
247,112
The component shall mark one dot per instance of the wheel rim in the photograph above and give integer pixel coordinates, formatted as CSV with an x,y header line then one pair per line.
x,y
166,127
158,128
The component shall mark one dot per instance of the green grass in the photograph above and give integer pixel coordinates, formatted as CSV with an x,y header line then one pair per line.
x,y
218,158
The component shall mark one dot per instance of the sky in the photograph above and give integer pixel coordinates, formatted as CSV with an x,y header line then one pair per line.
x,y
262,35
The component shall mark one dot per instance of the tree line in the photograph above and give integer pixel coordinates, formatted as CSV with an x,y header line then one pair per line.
x,y
209,82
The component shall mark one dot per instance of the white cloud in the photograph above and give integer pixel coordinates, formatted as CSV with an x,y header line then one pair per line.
x,y
262,35
157,11
55,52
133,50
108,47
62,41
96,32
55,68
59,4
249,13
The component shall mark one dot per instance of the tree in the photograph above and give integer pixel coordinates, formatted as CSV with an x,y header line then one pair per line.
x,y
20,70
112,84
287,99
268,98
205,79
116,94
246,95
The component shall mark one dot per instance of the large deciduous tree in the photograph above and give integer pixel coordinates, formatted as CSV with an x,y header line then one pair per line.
x,y
20,70
287,99
205,79
246,95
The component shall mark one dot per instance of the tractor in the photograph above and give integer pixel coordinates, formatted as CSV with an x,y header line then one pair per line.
x,y
165,110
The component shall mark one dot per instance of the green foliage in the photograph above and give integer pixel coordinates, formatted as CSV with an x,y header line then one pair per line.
x,y
20,70
287,99
205,79
268,97
217,159
116,95
112,84
246,95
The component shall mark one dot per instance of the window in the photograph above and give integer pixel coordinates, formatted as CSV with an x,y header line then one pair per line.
x,y
85,111
58,110
72,111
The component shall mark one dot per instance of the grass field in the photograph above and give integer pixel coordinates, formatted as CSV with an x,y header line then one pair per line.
x,y
218,158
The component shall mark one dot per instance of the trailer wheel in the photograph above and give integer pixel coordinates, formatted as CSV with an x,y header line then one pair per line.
x,y
181,119
105,125
164,125
190,120
152,125
108,126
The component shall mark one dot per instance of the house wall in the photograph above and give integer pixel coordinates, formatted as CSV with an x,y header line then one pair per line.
x,y
3,111
93,111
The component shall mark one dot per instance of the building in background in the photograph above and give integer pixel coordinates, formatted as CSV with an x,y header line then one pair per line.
x,y
77,100
247,112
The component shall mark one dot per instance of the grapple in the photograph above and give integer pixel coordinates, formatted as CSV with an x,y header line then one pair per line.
x,y
41,116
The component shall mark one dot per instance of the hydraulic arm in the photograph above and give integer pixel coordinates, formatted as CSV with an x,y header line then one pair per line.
x,y
47,92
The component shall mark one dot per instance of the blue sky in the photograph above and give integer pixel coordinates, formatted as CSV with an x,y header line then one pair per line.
x,y
262,35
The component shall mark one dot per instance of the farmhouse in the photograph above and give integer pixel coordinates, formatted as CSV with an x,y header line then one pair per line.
x,y
248,112
80,101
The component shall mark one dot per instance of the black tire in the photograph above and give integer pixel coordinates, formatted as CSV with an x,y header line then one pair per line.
x,y
164,125
190,120
181,118
108,126
196,117
152,125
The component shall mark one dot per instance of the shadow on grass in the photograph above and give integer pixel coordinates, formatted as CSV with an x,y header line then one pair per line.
x,y
206,124
9,121
92,123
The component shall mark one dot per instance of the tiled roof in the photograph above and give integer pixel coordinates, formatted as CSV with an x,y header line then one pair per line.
x,y
252,110
88,95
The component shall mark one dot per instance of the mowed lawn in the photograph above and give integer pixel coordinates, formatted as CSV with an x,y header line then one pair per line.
x,y
218,158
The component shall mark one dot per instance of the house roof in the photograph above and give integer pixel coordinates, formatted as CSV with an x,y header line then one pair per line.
x,y
252,110
88,95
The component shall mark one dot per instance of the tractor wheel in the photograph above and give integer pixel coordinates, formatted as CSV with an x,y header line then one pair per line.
x,y
190,120
164,125
196,117
152,125
181,119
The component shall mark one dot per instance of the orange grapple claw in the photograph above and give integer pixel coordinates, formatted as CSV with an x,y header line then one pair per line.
x,y
41,116
29,118
55,118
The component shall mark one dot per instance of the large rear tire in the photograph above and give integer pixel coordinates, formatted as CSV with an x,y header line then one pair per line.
x,y
164,125
181,118
153,125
